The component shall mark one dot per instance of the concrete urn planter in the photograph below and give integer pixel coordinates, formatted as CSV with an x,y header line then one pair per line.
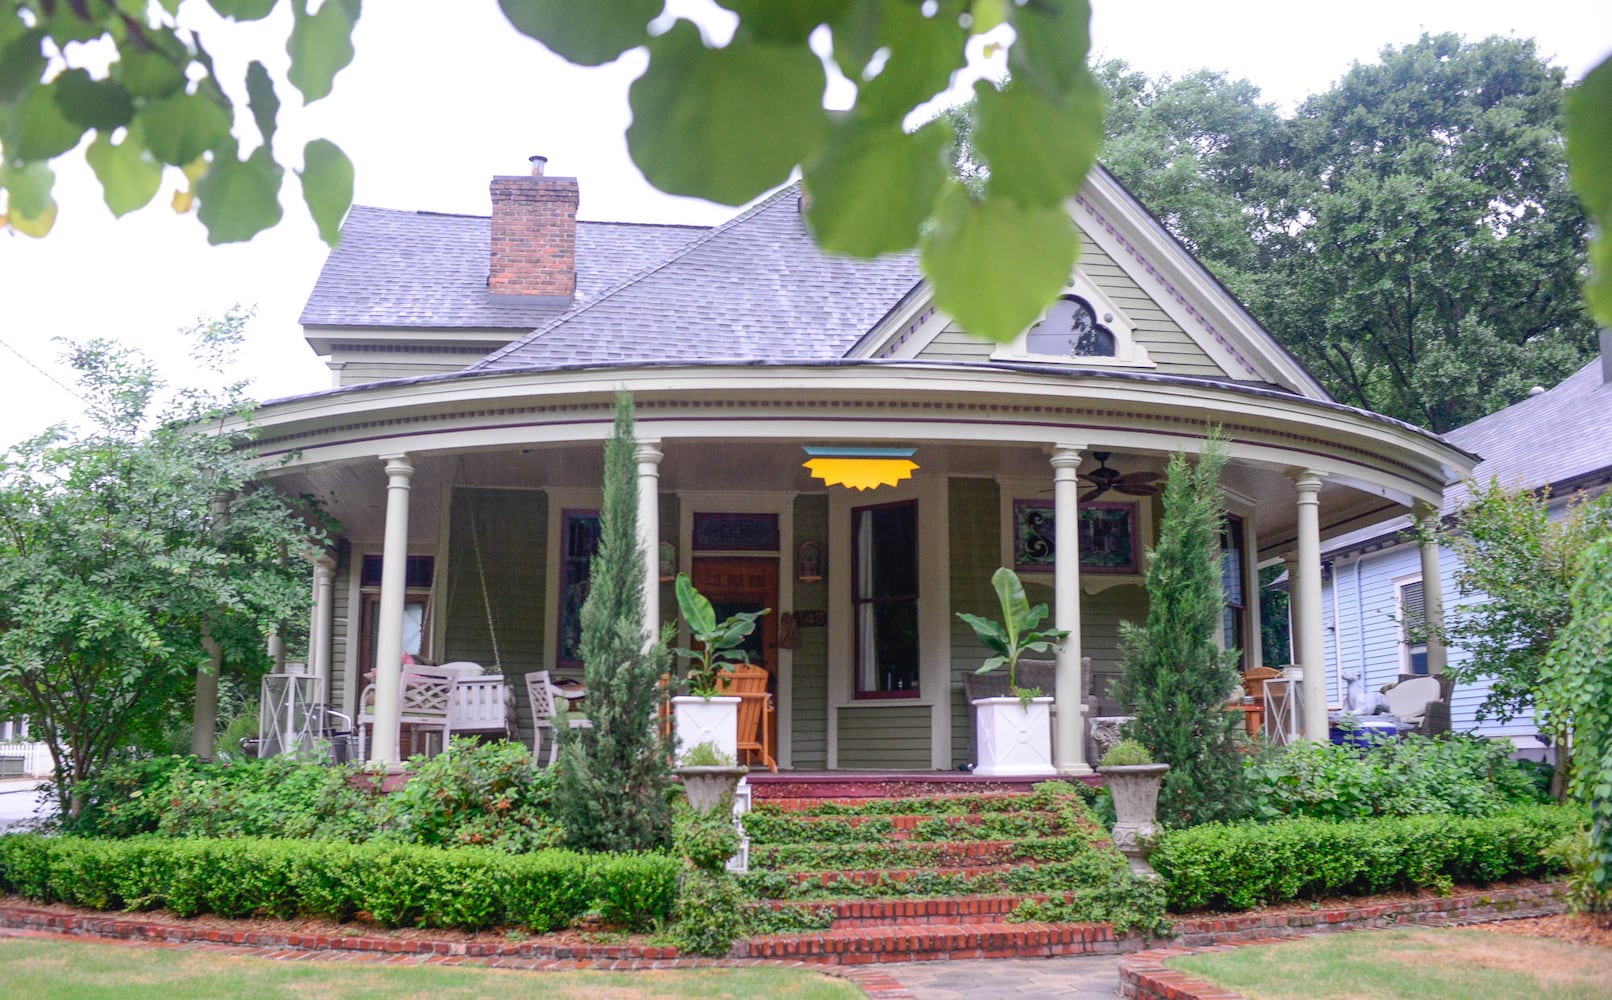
x,y
1135,788
1015,739
714,720
705,785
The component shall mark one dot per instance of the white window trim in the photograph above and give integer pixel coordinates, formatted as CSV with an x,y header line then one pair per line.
x,y
1010,490
1127,352
1403,644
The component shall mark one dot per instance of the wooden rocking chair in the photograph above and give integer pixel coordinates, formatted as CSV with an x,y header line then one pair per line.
x,y
749,683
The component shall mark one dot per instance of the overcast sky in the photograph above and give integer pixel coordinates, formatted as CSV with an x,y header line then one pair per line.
x,y
443,96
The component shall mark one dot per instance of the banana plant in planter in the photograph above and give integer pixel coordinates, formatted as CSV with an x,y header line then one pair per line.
x,y
1015,731
705,715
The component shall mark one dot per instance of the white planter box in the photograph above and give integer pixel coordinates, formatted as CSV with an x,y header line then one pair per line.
x,y
706,720
1015,740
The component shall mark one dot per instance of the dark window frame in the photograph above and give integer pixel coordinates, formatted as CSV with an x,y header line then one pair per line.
x,y
858,602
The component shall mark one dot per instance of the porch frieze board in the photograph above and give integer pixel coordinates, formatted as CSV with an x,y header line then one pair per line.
x,y
763,419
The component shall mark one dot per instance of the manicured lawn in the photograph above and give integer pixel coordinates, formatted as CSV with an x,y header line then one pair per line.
x,y
74,970
1410,964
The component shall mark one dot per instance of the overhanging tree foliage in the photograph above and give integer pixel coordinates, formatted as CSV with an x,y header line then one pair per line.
x,y
611,791
1173,670
113,563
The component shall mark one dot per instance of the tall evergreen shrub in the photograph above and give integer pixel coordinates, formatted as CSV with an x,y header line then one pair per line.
x,y
1174,674
611,790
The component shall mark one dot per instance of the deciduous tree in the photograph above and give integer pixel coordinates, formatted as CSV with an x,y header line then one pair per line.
x,y
114,563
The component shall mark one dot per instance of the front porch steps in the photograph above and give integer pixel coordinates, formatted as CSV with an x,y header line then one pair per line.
x,y
913,869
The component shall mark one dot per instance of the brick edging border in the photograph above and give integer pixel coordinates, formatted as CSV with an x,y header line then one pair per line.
x,y
1144,976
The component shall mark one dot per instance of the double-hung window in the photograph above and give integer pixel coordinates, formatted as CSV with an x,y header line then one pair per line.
x,y
1412,627
884,599
1234,613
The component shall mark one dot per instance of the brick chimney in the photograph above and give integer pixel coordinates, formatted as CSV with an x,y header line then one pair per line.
x,y
534,237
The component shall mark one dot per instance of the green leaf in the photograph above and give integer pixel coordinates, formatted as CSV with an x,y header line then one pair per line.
x,y
590,34
1038,151
923,53
1589,157
144,73
239,199
129,177
262,99
1052,43
243,10
987,14
723,124
29,185
320,46
181,127
21,62
98,104
1010,597
37,226
36,129
994,265
697,611
784,22
873,185
327,186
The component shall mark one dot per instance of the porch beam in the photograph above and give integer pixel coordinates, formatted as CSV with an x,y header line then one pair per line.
x,y
1069,741
1309,642
1432,589
648,456
389,615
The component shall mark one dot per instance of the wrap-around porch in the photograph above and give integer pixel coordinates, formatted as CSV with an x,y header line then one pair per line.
x,y
471,543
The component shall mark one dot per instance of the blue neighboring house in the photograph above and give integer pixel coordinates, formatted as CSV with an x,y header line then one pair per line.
x,y
1372,579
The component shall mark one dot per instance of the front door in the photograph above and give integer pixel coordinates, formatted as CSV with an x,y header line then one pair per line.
x,y
746,583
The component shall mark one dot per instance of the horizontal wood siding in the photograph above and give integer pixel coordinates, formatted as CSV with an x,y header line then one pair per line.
x,y
1100,616
809,686
884,737
1368,636
344,626
975,555
1168,346
954,344
513,529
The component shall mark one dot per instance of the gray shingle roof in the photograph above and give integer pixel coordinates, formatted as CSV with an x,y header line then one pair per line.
x,y
1554,437
425,269
754,288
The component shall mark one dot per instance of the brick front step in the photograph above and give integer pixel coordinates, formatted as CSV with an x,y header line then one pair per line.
x,y
936,942
883,806
888,785
918,911
906,854
817,828
875,876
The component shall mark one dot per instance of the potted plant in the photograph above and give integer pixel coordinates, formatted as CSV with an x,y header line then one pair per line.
x,y
1015,730
1133,780
704,715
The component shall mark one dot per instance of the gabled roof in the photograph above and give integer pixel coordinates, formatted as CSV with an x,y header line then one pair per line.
x,y
755,288
1559,437
429,270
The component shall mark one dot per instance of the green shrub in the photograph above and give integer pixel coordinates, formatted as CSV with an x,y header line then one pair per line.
x,y
1573,852
1112,894
1239,867
709,913
396,884
1411,776
1126,753
477,794
708,839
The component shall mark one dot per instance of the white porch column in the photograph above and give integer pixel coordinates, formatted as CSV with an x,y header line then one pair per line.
x,y
648,456
1432,591
1069,687
1309,641
389,615
324,580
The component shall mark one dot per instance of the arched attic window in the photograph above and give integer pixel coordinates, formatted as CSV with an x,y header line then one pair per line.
x,y
1070,330
1082,327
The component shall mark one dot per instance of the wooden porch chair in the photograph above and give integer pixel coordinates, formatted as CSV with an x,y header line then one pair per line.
x,y
426,703
1254,679
749,683
542,697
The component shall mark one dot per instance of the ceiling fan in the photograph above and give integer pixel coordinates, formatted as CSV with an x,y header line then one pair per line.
x,y
1103,479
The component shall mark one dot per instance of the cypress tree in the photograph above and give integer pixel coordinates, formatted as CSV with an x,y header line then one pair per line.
x,y
1174,672
610,792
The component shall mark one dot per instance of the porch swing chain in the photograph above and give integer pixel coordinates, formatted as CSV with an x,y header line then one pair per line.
x,y
481,572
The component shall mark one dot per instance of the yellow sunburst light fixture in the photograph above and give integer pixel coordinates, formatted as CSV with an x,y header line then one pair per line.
x,y
858,468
